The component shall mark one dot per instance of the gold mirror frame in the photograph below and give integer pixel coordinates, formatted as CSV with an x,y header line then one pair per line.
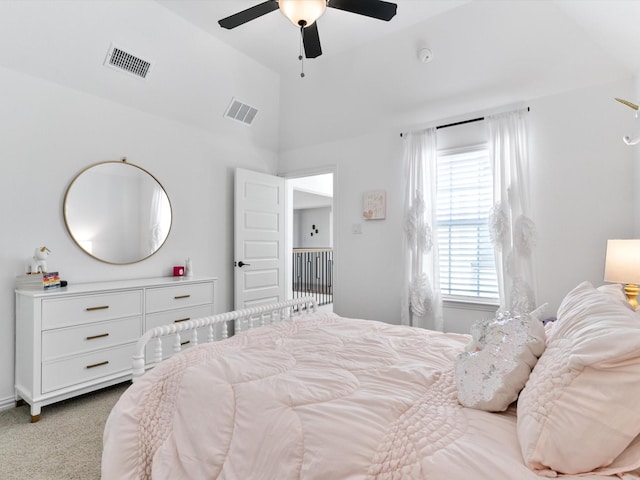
x,y
117,212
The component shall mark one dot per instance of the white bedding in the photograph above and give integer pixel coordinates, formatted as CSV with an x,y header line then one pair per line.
x,y
323,398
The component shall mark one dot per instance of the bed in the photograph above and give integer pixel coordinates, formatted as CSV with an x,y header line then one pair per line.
x,y
318,396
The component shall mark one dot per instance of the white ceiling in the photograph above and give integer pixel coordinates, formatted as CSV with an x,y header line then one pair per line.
x,y
302,200
312,192
485,53
273,41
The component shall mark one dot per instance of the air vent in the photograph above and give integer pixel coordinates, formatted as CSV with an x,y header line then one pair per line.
x,y
126,62
241,112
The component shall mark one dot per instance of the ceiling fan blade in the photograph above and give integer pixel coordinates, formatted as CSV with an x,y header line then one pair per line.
x,y
311,41
249,14
370,8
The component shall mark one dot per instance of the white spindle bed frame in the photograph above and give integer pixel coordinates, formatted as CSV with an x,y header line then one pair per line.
x,y
242,320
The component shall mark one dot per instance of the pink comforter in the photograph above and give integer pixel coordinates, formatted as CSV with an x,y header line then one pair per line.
x,y
322,398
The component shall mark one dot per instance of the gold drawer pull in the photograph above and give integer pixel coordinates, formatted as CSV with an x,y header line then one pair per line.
x,y
182,320
102,307
178,297
98,364
184,343
93,337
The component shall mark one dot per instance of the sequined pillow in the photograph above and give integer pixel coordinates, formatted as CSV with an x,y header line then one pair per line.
x,y
498,361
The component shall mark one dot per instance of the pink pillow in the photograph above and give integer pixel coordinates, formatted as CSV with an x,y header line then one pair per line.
x,y
579,409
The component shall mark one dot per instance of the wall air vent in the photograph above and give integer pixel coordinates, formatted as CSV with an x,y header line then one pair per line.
x,y
126,62
241,112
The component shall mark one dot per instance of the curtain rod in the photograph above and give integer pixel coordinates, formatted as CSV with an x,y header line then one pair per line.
x,y
455,124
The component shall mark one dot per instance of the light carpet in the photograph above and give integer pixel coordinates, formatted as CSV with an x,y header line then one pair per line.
x,y
66,444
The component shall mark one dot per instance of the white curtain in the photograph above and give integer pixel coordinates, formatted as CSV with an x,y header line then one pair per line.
x,y
157,219
421,300
513,233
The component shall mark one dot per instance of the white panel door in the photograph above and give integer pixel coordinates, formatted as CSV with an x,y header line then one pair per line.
x,y
259,239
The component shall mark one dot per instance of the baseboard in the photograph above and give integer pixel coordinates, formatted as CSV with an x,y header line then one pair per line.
x,y
7,403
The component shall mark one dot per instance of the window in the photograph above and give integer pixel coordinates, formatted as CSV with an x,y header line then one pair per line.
x,y
464,201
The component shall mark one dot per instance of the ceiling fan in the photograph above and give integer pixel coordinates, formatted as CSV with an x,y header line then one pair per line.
x,y
304,13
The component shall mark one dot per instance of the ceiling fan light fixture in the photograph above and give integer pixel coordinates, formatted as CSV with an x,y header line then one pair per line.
x,y
302,13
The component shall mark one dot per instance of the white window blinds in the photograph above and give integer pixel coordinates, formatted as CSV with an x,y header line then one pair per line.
x,y
464,200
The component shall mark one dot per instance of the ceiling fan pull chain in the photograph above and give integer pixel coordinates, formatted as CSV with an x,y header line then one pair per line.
x,y
301,56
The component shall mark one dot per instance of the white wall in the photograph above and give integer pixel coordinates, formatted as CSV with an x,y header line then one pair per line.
x,y
504,50
304,220
50,133
636,182
366,266
582,192
62,111
583,186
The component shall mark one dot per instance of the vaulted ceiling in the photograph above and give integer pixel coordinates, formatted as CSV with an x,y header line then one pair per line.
x,y
273,41
486,53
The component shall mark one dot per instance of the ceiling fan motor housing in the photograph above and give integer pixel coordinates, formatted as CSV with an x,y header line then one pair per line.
x,y
302,13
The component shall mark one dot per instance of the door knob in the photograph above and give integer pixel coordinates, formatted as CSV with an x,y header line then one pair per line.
x,y
242,264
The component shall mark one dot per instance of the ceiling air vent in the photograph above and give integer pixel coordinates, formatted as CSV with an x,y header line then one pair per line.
x,y
241,112
126,62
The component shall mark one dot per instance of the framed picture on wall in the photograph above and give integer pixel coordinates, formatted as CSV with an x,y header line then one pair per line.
x,y
375,205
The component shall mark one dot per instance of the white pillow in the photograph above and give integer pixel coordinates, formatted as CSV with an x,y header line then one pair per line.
x,y
579,409
498,361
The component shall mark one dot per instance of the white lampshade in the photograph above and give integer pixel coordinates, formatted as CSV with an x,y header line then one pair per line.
x,y
622,264
302,12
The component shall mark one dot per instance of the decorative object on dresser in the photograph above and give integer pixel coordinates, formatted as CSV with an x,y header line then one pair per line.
x,y
38,263
178,271
38,281
77,339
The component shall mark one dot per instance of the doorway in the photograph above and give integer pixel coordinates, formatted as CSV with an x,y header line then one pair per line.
x,y
311,238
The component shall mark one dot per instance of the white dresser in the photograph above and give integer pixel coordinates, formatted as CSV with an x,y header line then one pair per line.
x,y
80,338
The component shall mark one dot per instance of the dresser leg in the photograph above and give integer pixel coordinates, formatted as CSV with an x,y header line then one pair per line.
x,y
19,402
35,413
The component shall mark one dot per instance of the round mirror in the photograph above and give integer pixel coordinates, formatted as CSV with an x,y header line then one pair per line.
x,y
117,212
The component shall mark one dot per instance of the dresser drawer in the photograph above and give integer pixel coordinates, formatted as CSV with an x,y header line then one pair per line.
x,y
81,309
177,316
86,338
83,368
82,337
174,316
178,296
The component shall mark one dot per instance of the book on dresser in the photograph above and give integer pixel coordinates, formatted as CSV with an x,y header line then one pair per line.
x,y
38,281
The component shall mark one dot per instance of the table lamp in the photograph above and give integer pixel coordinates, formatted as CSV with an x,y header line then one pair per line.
x,y
622,265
